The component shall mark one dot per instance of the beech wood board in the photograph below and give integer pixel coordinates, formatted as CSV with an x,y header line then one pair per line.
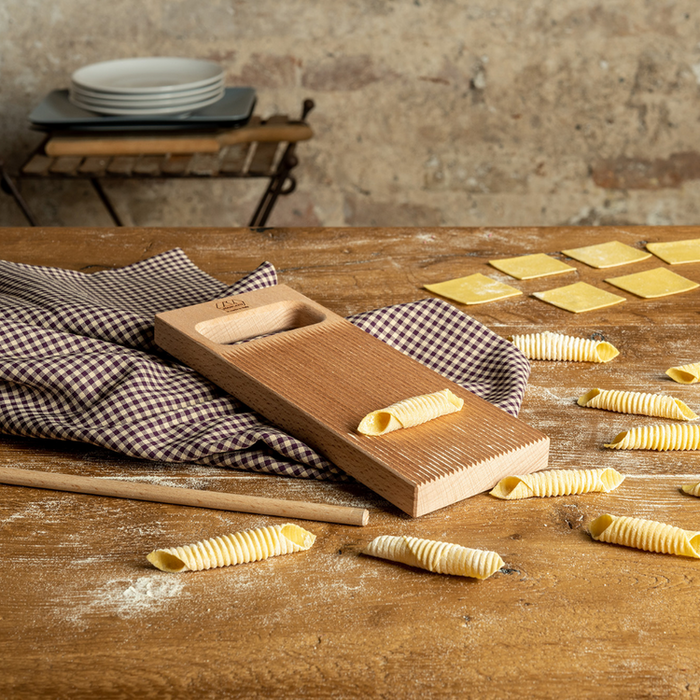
x,y
112,145
316,375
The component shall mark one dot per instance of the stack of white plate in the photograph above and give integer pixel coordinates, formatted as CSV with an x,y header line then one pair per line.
x,y
146,86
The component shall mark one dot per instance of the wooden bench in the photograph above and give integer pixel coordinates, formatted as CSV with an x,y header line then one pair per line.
x,y
260,149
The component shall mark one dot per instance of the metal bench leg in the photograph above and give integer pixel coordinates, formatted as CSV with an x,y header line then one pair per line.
x,y
97,185
8,186
281,182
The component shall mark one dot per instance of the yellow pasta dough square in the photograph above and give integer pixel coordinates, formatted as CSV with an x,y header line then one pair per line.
x,y
474,289
579,297
659,282
527,267
677,252
605,255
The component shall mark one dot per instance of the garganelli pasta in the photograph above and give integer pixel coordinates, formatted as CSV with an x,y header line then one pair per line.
x,y
648,535
675,436
557,346
638,403
237,548
435,556
685,374
557,482
692,489
410,412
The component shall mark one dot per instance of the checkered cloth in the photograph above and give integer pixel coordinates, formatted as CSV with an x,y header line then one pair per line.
x,y
78,362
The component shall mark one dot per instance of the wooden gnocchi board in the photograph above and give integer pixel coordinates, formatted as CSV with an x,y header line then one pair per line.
x,y
316,375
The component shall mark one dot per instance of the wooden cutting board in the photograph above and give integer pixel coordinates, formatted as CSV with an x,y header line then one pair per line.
x,y
316,375
114,145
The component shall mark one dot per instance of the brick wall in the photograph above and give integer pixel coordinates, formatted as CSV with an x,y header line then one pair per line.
x,y
428,112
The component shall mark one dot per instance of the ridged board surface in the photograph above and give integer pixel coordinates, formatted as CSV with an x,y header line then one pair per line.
x,y
317,381
337,374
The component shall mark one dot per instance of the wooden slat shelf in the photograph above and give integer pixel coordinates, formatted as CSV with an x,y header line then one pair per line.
x,y
230,161
260,149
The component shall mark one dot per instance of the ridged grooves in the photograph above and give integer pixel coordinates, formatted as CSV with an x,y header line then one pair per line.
x,y
692,489
337,373
556,346
648,535
438,557
558,482
637,403
239,547
676,436
410,412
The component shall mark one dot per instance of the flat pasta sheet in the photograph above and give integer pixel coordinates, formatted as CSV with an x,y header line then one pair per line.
x,y
605,255
474,289
579,298
651,284
526,267
677,252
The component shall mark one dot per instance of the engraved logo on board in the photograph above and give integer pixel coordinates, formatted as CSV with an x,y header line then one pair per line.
x,y
229,305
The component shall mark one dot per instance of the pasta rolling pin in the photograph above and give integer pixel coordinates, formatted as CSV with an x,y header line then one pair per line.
x,y
186,497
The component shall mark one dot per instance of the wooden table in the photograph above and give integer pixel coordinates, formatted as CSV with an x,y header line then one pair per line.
x,y
83,614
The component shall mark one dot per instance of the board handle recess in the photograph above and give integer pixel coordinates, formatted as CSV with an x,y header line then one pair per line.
x,y
344,515
246,316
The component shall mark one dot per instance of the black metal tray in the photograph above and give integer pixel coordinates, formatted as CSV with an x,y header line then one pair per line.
x,y
55,111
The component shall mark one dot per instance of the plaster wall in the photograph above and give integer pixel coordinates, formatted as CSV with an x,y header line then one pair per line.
x,y
428,112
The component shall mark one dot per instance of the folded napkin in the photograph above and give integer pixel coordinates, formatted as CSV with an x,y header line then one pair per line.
x,y
78,362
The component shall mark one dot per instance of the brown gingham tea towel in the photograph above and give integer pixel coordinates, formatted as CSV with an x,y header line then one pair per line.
x,y
78,362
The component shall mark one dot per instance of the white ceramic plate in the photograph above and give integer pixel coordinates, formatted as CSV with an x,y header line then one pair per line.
x,y
133,112
55,111
125,98
147,75
140,105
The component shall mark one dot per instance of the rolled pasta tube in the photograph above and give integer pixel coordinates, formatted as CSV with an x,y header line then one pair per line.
x,y
675,436
433,555
648,535
557,482
638,403
410,412
692,489
557,346
237,548
685,374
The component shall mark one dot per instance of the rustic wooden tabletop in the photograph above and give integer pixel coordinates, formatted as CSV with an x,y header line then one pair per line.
x,y
83,614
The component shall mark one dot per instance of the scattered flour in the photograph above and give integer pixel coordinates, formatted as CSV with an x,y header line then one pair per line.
x,y
542,392
197,483
127,599
143,593
44,511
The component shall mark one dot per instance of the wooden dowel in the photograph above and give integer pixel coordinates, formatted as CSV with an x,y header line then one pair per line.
x,y
116,146
176,144
345,515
